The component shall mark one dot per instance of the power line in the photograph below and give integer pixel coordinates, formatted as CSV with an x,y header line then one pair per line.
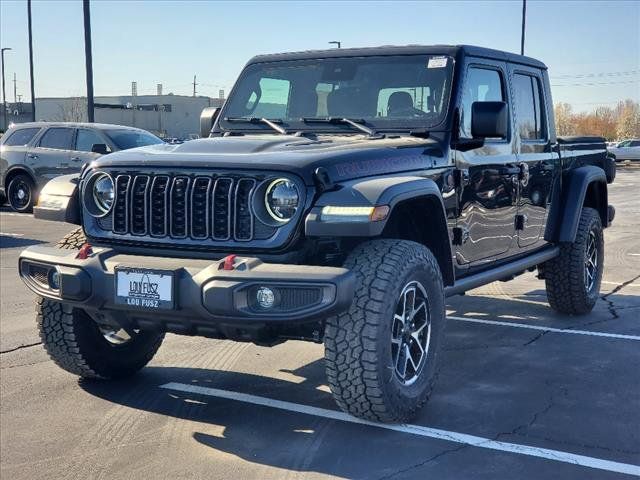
x,y
593,84
599,74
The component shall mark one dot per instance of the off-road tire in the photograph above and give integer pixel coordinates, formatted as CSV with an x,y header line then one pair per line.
x,y
26,182
565,274
75,343
358,342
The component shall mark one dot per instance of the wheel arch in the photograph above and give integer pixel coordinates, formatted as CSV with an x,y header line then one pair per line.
x,y
17,170
418,197
582,187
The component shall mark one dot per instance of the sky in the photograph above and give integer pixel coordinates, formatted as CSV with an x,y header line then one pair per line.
x,y
592,48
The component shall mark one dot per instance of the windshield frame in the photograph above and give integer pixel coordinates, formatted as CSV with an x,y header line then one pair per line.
x,y
402,125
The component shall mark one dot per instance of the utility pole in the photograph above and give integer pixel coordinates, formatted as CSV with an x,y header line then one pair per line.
x,y
4,97
524,15
33,95
194,85
88,59
15,89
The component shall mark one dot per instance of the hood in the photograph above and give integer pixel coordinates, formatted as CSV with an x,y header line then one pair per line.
x,y
344,157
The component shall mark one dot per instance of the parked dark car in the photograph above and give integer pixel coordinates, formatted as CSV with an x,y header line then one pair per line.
x,y
341,197
31,154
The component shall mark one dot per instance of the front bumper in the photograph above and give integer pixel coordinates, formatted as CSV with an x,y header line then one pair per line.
x,y
206,296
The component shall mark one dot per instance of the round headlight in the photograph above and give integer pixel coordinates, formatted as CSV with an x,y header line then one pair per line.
x,y
103,192
282,199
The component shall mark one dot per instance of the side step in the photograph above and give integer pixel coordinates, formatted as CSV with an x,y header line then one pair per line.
x,y
501,272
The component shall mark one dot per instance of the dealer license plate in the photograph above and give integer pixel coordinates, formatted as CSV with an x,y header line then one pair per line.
x,y
144,288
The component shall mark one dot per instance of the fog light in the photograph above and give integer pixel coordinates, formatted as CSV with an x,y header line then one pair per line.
x,y
54,279
265,297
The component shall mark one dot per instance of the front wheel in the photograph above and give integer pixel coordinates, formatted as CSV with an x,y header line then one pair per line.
x,y
381,355
76,343
573,278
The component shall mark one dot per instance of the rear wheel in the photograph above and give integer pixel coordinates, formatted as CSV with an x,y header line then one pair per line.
x,y
573,278
381,355
21,193
79,345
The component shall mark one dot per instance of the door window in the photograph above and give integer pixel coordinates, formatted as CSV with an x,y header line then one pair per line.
x,y
21,137
528,107
87,139
483,85
58,138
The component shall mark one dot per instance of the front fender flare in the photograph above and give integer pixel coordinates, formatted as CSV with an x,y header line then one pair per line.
x,y
370,192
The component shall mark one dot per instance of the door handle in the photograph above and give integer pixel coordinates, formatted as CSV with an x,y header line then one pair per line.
x,y
32,155
75,159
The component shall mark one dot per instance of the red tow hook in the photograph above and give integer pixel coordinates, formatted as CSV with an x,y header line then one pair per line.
x,y
85,251
229,260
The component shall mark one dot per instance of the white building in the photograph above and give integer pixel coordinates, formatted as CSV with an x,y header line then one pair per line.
x,y
165,115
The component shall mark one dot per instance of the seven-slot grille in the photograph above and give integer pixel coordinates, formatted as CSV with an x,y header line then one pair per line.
x,y
180,206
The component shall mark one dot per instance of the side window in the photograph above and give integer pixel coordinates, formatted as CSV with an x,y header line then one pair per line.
x,y
58,138
274,98
86,139
483,85
21,137
528,107
634,143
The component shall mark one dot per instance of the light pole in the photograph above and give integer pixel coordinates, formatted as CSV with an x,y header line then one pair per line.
x,y
4,97
524,16
335,42
33,94
88,59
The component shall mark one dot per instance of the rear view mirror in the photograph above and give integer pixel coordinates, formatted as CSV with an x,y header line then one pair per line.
x,y
207,119
489,120
100,148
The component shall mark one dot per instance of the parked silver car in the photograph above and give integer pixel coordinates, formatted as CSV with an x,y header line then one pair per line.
x,y
33,153
626,150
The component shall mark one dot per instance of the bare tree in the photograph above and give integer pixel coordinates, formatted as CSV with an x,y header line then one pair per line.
x,y
72,109
628,125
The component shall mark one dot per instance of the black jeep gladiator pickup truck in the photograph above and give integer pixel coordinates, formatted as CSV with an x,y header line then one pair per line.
x,y
340,197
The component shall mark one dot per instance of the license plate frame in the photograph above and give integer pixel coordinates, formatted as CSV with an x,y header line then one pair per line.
x,y
145,295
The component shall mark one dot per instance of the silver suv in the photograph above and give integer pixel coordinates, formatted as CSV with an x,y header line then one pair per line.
x,y
33,153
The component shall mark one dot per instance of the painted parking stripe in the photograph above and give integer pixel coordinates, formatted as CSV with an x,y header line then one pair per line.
x,y
463,438
546,329
618,283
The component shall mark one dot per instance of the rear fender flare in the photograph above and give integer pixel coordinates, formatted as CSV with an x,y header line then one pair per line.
x,y
59,200
576,184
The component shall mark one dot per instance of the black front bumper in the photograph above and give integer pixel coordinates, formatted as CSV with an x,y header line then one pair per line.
x,y
206,296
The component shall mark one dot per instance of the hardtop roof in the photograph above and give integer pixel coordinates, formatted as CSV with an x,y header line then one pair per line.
x,y
452,50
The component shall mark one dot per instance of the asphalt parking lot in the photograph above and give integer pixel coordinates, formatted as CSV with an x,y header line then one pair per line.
x,y
523,393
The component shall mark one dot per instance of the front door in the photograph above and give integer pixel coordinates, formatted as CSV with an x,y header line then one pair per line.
x,y
488,187
81,154
536,160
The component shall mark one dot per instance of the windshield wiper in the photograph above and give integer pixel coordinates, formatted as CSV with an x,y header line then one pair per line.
x,y
272,123
355,123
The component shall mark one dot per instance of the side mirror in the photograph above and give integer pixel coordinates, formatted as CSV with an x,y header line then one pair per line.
x,y
100,148
207,119
489,120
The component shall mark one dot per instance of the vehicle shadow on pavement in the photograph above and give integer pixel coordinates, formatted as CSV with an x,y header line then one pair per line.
x,y
266,436
8,241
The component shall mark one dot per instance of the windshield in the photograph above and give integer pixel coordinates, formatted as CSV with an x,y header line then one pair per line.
x,y
387,93
126,139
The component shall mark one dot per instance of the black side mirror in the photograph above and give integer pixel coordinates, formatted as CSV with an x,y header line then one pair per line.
x,y
207,119
489,120
100,148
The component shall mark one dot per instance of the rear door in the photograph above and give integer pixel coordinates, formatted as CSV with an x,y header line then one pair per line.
x,y
536,160
487,191
50,156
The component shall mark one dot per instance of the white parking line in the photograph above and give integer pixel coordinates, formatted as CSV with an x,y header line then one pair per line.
x,y
12,234
463,438
546,329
